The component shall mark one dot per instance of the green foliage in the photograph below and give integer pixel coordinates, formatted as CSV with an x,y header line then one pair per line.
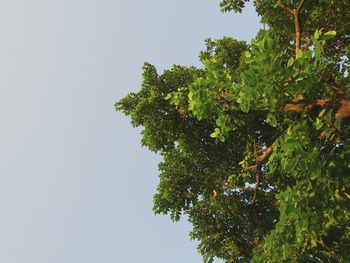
x,y
235,5
254,151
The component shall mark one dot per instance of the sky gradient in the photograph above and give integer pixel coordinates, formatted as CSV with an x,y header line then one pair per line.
x,y
75,184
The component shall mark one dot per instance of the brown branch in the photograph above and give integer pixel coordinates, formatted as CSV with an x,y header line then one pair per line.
x,y
259,160
339,102
295,13
297,32
300,6
265,155
289,10
257,184
252,167
344,110
336,88
257,174
308,44
297,26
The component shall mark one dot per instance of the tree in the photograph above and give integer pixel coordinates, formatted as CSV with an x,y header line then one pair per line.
x,y
256,144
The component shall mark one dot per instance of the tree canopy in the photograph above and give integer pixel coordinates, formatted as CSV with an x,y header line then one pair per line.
x,y
256,144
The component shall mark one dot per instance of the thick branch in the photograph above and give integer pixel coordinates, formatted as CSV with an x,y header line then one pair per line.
x,y
339,102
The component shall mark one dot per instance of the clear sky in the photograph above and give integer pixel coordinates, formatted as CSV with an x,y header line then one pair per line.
x,y
75,185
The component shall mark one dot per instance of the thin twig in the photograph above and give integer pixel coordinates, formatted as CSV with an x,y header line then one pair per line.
x,y
257,174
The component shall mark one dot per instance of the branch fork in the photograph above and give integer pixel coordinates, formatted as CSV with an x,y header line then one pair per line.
x,y
296,12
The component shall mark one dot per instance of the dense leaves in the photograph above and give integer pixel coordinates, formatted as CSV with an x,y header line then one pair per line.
x,y
256,145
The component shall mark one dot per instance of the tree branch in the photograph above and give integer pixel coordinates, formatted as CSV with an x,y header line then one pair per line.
x,y
257,174
300,6
308,44
297,33
289,10
259,160
339,102
295,13
257,184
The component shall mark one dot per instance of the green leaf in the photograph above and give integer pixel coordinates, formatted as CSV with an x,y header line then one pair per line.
x,y
230,97
245,106
318,51
215,133
221,138
190,95
337,124
321,113
168,97
331,164
290,62
317,34
244,101
313,243
221,121
271,119
284,163
330,34
328,116
313,176
247,54
299,53
319,123
266,43
329,132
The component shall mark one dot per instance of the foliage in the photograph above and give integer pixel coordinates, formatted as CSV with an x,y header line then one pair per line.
x,y
256,145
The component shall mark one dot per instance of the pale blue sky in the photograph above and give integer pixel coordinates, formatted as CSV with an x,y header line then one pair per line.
x,y
75,185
